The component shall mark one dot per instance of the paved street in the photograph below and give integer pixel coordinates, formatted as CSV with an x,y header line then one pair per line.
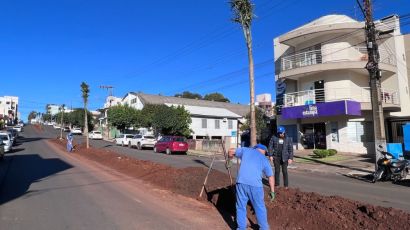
x,y
383,193
42,189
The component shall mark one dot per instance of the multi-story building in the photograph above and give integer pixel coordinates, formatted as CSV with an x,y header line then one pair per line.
x,y
9,109
323,86
264,101
53,109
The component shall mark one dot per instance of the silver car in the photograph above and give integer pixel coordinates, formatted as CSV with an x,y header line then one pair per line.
x,y
5,138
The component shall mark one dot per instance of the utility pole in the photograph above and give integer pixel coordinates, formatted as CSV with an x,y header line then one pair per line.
x,y
372,67
109,88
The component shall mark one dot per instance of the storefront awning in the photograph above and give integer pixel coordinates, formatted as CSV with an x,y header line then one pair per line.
x,y
324,109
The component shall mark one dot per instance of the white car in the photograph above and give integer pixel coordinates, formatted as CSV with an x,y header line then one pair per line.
x,y
142,141
123,139
56,126
18,128
95,135
76,131
8,143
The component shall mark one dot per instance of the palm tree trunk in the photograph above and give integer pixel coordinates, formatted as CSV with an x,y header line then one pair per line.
x,y
86,126
248,37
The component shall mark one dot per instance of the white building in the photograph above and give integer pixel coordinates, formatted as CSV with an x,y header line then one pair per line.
x,y
264,101
210,119
323,86
9,108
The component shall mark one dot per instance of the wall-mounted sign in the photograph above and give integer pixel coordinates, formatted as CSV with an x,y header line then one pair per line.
x,y
324,109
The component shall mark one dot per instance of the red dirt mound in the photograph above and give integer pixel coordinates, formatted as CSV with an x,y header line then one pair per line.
x,y
292,209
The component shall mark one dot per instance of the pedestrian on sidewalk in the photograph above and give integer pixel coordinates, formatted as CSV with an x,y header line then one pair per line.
x,y
281,153
249,185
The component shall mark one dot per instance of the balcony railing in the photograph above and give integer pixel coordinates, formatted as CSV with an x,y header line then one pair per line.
x,y
309,97
314,57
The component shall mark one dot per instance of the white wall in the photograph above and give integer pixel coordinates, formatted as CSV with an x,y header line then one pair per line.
x,y
196,126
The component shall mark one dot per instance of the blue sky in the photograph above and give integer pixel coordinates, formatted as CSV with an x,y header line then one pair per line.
x,y
47,48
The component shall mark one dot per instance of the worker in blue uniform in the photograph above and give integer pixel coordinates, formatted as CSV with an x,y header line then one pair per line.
x,y
254,165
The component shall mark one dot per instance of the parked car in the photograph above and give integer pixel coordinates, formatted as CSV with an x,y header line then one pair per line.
x,y
171,144
142,141
1,150
66,129
5,138
95,135
56,126
18,128
77,131
13,135
123,139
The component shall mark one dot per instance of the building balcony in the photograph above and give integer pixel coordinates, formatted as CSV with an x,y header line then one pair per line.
x,y
390,98
354,57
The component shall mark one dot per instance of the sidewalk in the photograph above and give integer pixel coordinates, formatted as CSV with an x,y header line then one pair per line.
x,y
342,163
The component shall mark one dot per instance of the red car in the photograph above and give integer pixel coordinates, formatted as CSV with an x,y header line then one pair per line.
x,y
171,144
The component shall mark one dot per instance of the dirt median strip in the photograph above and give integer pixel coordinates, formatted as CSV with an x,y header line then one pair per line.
x,y
292,209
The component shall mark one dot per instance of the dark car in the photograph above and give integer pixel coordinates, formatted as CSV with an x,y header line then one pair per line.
x,y
171,144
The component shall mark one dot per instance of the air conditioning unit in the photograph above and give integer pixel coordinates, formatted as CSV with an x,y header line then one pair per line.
x,y
225,119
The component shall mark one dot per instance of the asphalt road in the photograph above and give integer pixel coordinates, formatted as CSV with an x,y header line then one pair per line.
x,y
383,193
42,188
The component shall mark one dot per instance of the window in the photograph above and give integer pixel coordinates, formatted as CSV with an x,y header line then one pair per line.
x,y
230,124
360,131
217,124
133,101
334,130
204,123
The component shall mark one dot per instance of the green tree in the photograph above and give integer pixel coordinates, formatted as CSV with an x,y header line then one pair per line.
x,y
190,95
147,115
262,128
76,118
66,118
216,97
47,117
243,14
85,90
123,116
32,115
172,121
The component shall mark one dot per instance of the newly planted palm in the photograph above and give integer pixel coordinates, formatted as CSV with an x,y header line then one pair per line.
x,y
243,14
85,90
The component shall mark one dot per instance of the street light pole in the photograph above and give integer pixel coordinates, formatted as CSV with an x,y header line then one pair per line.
x,y
375,82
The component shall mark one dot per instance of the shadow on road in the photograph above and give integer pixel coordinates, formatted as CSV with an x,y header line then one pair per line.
x,y
201,162
24,170
16,150
405,183
368,178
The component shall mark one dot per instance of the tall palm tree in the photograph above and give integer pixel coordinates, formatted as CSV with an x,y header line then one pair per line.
x,y
243,14
85,93
62,120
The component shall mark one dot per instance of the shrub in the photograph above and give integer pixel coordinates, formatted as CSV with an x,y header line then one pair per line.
x,y
332,152
321,153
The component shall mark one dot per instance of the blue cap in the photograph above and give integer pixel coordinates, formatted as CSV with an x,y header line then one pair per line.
x,y
281,129
260,146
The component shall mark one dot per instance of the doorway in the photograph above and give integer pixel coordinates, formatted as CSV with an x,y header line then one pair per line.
x,y
314,136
